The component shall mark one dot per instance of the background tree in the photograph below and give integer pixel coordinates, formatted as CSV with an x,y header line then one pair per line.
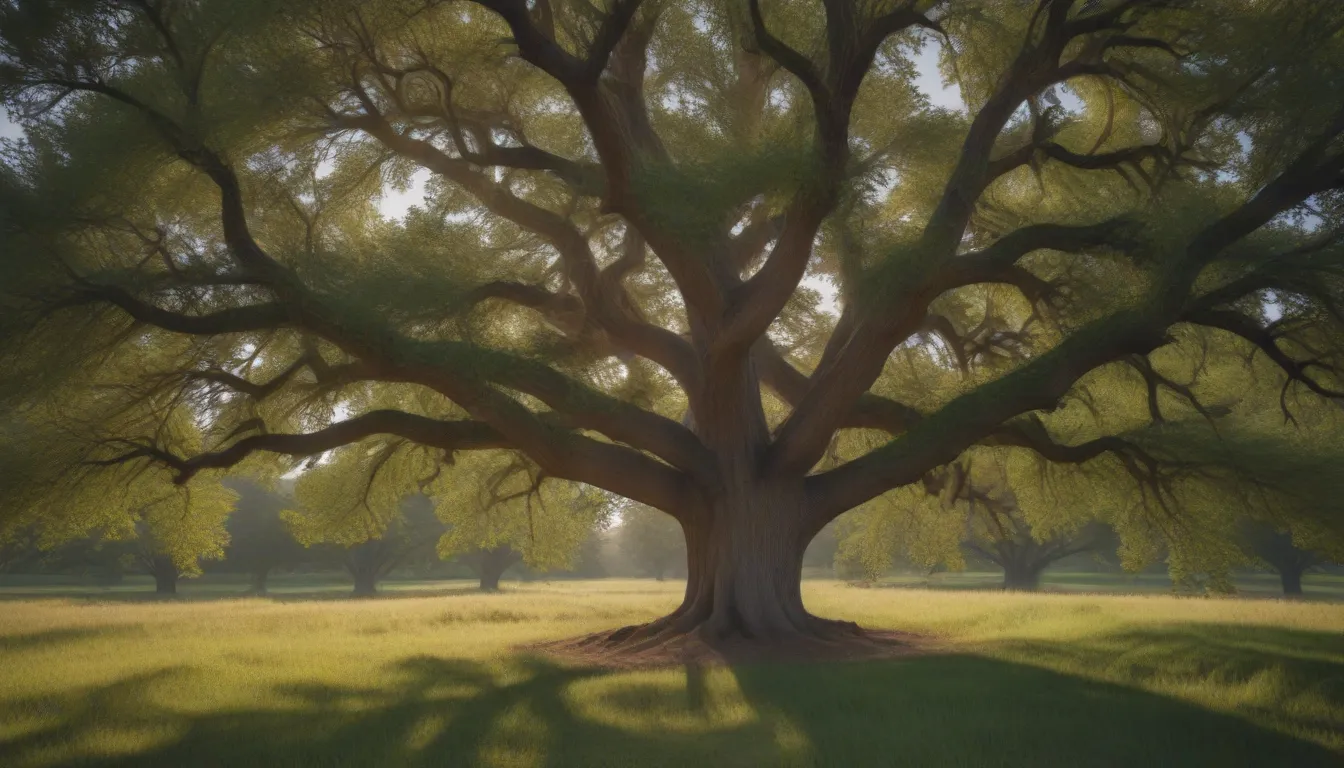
x,y
171,540
651,540
162,540
18,549
997,531
259,539
501,511
106,562
370,535
1290,554
592,561
1000,536
626,200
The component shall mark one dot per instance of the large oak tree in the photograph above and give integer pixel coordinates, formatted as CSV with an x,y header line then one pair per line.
x,y
631,204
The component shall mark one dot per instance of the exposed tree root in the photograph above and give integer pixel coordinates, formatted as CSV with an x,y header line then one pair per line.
x,y
674,641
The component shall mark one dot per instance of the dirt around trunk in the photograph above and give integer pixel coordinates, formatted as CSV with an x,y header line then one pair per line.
x,y
614,650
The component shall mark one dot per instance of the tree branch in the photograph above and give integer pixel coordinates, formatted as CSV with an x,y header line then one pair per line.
x,y
942,436
255,317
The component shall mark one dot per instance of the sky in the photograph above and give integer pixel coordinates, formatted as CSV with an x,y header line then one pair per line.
x,y
930,82
8,130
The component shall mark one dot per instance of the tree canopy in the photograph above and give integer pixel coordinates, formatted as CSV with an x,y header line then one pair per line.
x,y
1119,268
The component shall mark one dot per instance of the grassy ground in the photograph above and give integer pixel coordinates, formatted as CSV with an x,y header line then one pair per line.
x,y
1316,586
431,679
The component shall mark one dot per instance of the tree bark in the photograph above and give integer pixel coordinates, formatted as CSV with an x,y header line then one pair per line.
x,y
1022,576
493,564
165,575
744,556
366,582
365,562
1291,579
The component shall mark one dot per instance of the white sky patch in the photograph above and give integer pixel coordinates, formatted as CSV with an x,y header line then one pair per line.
x,y
829,294
1273,307
1069,100
395,203
8,128
929,80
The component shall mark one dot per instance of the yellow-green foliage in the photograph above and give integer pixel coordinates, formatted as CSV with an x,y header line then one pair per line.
x,y
1041,680
58,490
907,522
486,498
489,499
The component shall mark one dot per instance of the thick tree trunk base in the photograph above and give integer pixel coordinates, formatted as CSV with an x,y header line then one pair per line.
x,y
491,565
1292,585
165,576
258,588
743,600
668,642
1024,579
365,586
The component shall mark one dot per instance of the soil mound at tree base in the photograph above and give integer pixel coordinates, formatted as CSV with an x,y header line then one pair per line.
x,y
611,649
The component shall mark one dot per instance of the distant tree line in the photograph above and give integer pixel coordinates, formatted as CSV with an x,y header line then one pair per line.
x,y
1024,533
492,515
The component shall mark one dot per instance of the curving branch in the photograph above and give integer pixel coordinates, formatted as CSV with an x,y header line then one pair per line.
x,y
940,437
790,59
869,412
853,360
448,435
602,305
1240,325
756,303
324,373
245,319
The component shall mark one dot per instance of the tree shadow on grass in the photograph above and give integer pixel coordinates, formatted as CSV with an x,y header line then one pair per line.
x,y
1291,678
56,638
952,709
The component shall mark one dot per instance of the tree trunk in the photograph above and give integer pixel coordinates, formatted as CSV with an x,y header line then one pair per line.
x,y
366,582
165,575
1022,576
744,560
1292,581
493,564
365,562
259,578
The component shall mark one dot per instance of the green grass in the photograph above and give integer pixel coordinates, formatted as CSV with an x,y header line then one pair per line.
x,y
1316,586
1011,680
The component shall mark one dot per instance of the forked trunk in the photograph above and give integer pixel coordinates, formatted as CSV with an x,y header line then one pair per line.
x,y
1292,582
165,575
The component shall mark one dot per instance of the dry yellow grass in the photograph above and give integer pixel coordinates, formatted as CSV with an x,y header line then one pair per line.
x,y
1012,680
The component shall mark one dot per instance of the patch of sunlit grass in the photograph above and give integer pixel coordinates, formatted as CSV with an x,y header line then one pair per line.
x,y
1009,679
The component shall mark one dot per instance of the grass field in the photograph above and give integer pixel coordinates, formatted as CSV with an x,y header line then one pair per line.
x,y
420,678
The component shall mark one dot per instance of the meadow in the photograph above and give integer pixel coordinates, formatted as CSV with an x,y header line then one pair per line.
x,y
438,677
